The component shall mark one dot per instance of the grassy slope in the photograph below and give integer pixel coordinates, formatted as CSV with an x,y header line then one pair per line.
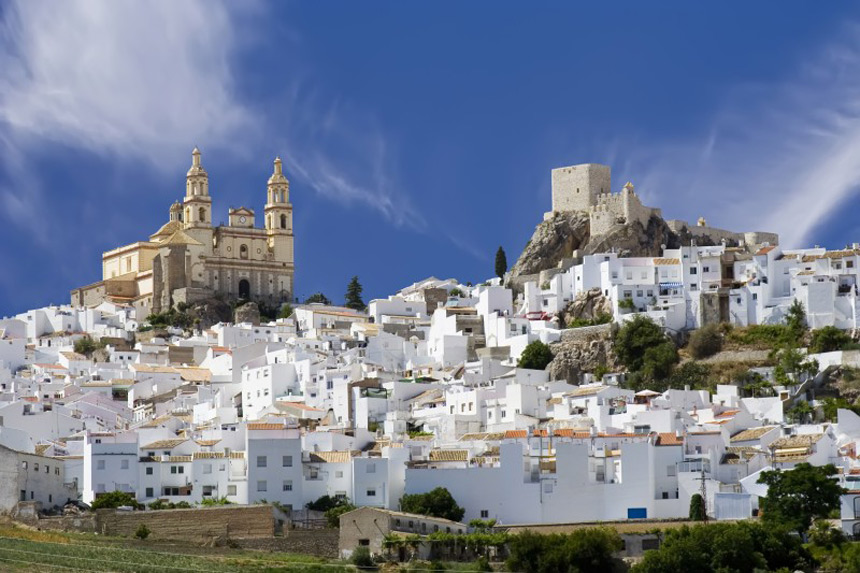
x,y
24,549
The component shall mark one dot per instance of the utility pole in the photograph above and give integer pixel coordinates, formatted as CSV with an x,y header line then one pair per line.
x,y
704,494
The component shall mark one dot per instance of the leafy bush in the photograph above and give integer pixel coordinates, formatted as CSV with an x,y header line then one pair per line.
x,y
718,547
213,501
286,311
602,318
763,336
87,346
142,531
626,304
361,558
317,297
323,503
588,549
535,356
455,292
706,341
828,339
114,499
438,503
333,515
697,508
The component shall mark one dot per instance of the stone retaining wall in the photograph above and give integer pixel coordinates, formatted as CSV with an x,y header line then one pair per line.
x,y
318,542
204,524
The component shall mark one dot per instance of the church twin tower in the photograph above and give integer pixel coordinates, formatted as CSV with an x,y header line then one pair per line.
x,y
188,259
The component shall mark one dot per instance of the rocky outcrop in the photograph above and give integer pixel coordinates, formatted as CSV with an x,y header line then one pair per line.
x,y
567,236
553,240
573,358
248,312
210,311
588,306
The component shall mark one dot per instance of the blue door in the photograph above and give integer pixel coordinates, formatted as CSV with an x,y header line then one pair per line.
x,y
637,513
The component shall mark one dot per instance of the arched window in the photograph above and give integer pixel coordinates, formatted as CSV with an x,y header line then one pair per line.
x,y
202,214
243,251
283,221
188,213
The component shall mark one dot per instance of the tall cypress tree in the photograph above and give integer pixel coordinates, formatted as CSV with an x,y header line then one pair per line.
x,y
501,263
353,295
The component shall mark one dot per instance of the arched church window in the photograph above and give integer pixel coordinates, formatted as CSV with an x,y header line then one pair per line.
x,y
243,251
283,221
202,214
188,214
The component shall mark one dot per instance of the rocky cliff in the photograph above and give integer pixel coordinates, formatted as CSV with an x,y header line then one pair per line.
x,y
567,235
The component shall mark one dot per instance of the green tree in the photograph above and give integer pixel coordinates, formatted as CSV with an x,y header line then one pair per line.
x,y
798,496
332,515
317,297
635,338
795,319
501,263
286,311
658,361
693,374
353,295
587,549
800,413
705,341
745,546
86,346
828,339
793,366
361,558
114,499
437,502
697,508
324,503
536,356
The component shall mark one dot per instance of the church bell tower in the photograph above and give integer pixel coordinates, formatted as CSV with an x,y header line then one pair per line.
x,y
278,214
197,205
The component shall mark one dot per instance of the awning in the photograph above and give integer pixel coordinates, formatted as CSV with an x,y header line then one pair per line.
x,y
671,285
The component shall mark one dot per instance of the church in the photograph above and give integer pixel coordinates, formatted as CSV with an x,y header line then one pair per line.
x,y
189,260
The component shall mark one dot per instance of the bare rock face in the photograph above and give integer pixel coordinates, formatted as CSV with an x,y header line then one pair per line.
x,y
552,241
248,312
588,306
582,350
210,311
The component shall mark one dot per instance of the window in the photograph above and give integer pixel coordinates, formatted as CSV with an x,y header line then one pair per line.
x,y
201,213
36,467
485,513
48,469
243,251
693,270
24,465
288,485
338,474
694,286
371,468
123,464
504,414
849,264
706,269
639,293
149,471
207,468
287,461
100,465
56,471
262,485
371,492
231,490
670,470
283,221
261,461
149,492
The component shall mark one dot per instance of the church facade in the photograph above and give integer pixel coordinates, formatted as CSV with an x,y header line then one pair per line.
x,y
188,259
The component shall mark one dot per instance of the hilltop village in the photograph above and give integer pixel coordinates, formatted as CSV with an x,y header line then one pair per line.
x,y
526,397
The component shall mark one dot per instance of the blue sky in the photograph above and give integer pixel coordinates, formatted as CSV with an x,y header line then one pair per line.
x,y
418,137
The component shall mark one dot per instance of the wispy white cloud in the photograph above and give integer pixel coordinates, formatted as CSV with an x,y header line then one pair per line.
x,y
128,79
781,157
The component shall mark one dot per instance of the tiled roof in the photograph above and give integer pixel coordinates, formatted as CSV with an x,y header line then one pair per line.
x,y
738,454
516,434
669,439
585,391
751,434
265,426
483,436
765,250
667,262
337,457
449,455
163,444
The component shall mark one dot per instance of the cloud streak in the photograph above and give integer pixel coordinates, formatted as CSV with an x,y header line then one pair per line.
x,y
779,157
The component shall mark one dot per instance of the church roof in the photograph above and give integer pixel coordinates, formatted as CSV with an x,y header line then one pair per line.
x,y
181,238
167,229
